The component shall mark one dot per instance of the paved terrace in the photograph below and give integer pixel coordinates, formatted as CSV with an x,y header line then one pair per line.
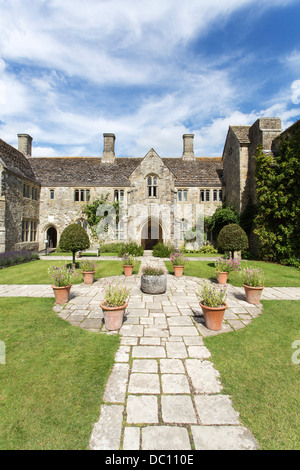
x,y
164,392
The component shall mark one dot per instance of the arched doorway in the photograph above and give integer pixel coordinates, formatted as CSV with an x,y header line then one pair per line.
x,y
52,237
151,233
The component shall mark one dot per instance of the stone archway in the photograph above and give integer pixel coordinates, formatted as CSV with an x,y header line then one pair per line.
x,y
51,236
151,233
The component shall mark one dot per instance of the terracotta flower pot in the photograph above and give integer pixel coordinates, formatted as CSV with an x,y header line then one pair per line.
x,y
128,268
88,277
213,316
222,277
62,294
113,316
178,270
253,294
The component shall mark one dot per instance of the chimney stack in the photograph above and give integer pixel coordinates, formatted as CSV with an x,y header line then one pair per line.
x,y
109,148
188,147
25,144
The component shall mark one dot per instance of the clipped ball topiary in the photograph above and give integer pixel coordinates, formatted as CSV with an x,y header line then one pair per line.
x,y
232,238
74,238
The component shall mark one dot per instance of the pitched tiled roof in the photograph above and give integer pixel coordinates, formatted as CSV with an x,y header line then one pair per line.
x,y
83,171
15,161
200,172
90,171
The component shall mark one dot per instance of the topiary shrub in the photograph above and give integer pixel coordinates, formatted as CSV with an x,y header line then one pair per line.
x,y
74,238
232,238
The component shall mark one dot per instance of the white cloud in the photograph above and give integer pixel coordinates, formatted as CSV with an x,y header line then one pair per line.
x,y
296,92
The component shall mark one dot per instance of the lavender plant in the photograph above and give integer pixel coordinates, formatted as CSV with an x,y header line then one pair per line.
x,y
211,295
62,276
226,265
253,277
128,259
87,266
116,295
177,258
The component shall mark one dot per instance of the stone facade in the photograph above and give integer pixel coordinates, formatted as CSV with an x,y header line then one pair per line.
x,y
160,198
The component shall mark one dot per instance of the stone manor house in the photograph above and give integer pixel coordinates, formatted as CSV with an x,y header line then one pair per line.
x,y
162,197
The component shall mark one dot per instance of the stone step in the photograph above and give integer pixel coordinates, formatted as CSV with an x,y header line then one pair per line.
x,y
148,252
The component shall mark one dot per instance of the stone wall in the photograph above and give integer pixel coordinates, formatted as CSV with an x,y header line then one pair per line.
x,y
232,171
18,208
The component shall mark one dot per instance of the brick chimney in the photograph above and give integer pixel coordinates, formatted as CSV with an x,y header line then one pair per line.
x,y
188,147
109,148
25,144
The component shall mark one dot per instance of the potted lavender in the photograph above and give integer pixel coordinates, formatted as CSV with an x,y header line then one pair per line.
x,y
178,261
62,279
88,271
253,282
213,305
114,305
224,266
128,264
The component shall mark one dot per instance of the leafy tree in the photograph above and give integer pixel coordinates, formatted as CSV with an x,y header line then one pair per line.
x,y
74,238
223,215
232,238
278,194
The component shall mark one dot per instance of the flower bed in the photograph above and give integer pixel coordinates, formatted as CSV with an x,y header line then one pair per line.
x,y
10,258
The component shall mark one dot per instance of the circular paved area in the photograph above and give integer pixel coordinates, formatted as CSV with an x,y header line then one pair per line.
x,y
164,392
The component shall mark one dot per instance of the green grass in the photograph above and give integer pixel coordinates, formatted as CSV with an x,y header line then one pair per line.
x,y
53,379
258,373
36,272
275,274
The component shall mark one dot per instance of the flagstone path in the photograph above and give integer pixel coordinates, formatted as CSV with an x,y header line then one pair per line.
x,y
163,392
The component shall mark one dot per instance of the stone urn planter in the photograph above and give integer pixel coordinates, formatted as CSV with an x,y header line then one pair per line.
x,y
128,268
222,277
253,294
113,316
213,316
62,294
88,277
154,284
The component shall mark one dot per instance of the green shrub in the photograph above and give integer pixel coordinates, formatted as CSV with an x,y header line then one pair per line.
x,y
131,248
208,249
162,251
111,247
74,238
9,258
232,238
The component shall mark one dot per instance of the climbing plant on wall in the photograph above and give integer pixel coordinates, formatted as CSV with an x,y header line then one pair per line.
x,y
101,211
278,195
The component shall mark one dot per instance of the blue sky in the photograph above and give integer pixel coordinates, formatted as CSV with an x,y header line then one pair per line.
x,y
148,72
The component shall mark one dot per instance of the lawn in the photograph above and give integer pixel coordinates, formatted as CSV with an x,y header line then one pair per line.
x,y
53,379
257,370
36,272
275,274
53,253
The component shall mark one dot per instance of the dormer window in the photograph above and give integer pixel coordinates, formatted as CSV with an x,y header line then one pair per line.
x,y
152,187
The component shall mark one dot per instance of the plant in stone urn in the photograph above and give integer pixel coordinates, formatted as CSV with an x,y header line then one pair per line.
x,y
253,282
114,305
62,279
178,261
213,304
153,279
128,263
88,271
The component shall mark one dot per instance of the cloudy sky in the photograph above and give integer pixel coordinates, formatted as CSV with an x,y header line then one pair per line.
x,y
147,71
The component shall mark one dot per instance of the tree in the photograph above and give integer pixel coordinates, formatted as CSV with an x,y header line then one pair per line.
x,y
223,215
74,238
232,238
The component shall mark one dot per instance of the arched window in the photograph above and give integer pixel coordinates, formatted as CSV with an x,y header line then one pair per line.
x,y
152,186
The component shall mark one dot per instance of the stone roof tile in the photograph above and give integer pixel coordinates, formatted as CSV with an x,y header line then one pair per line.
x,y
15,161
